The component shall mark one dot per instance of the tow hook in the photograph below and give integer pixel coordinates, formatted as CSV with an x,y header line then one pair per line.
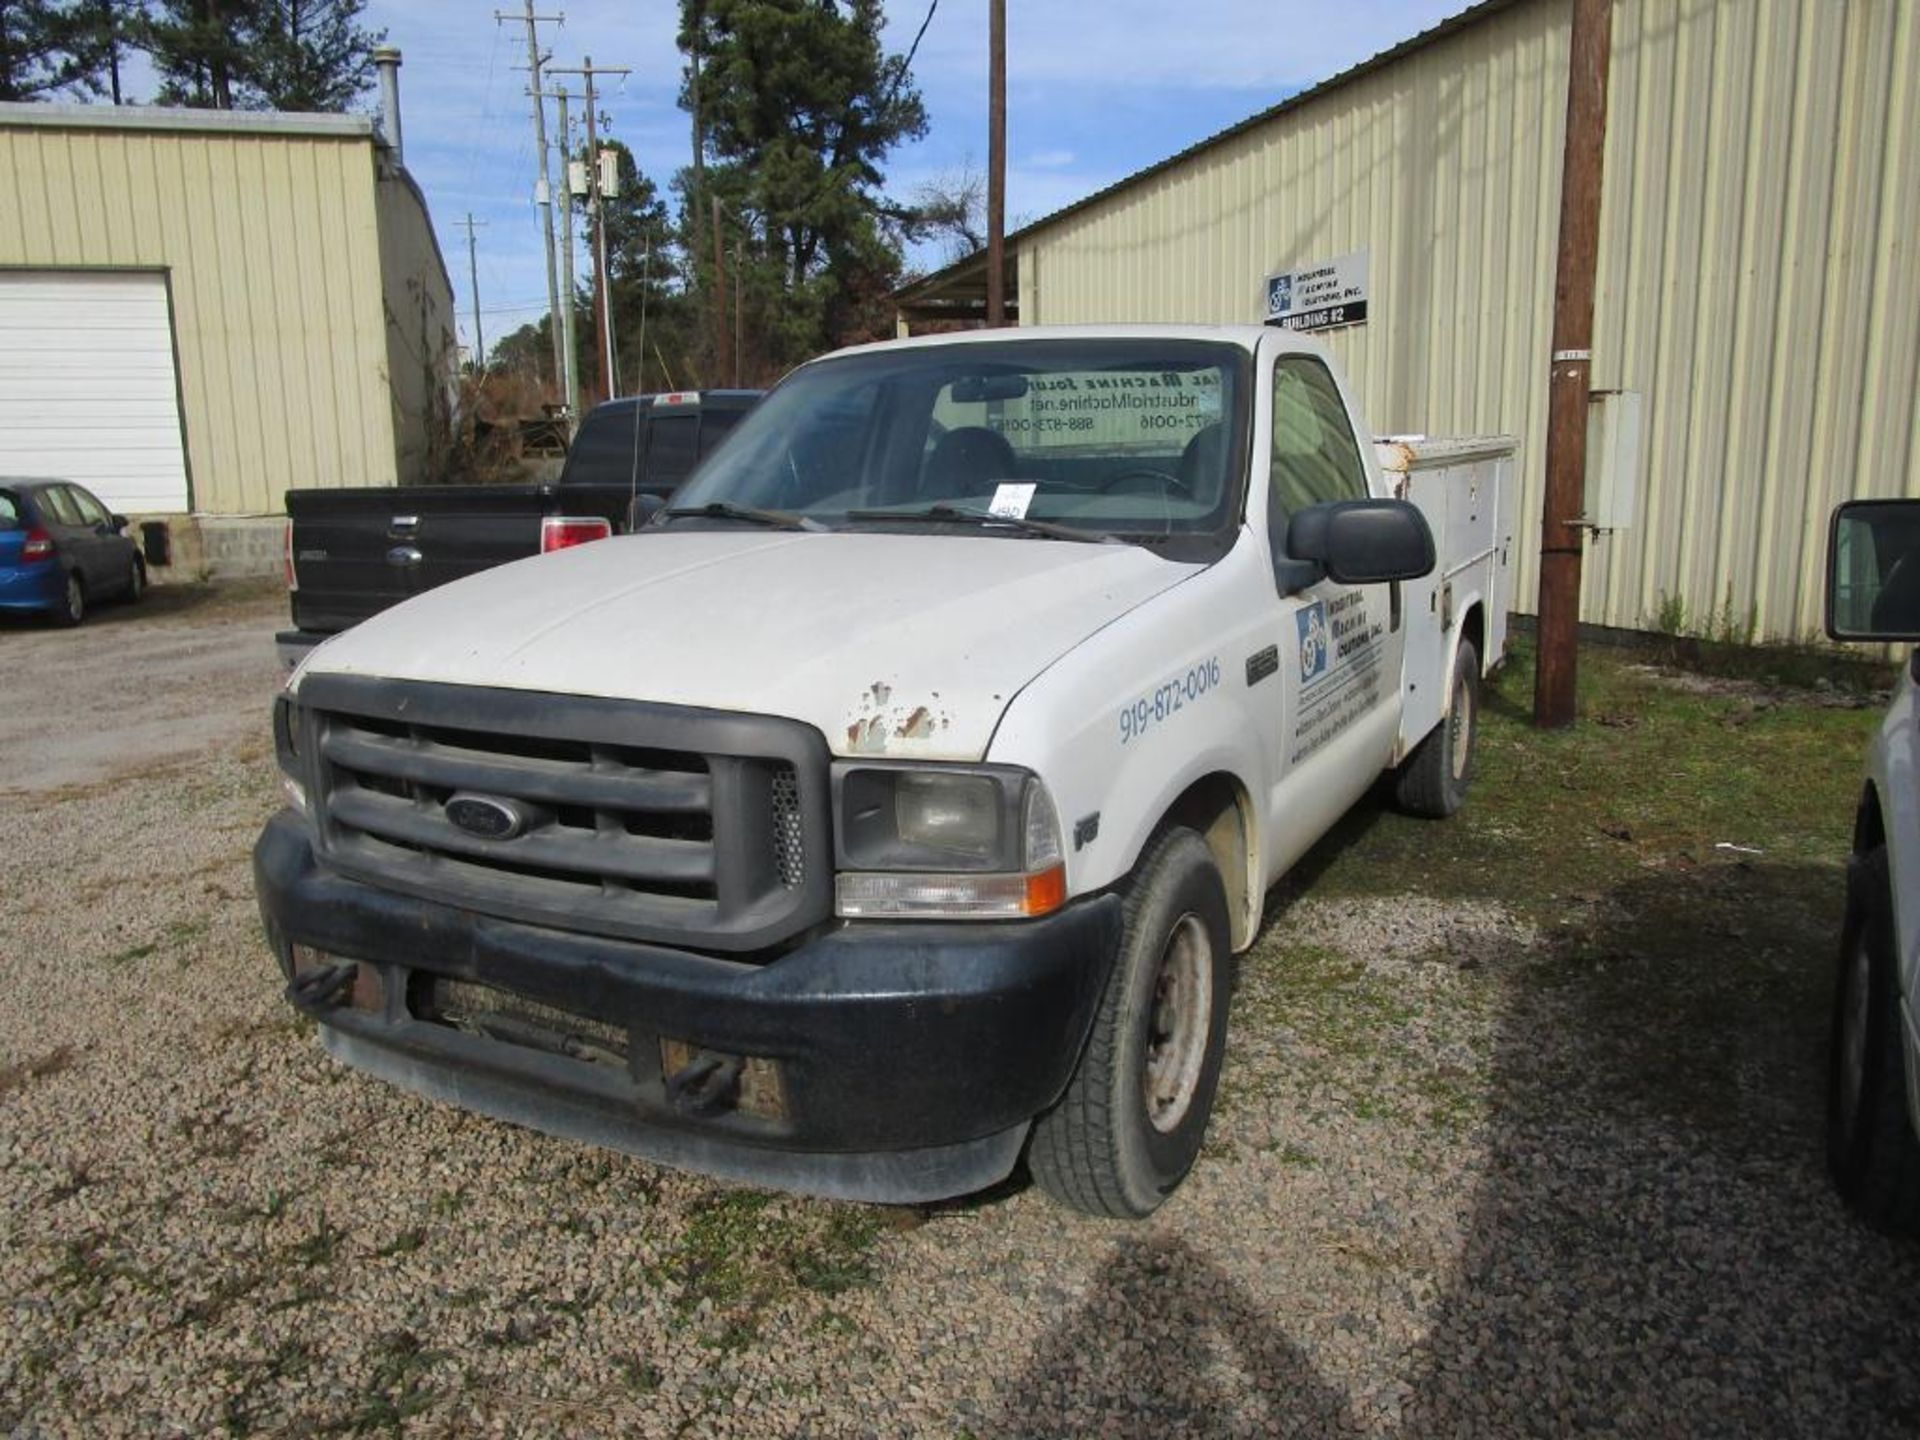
x,y
314,992
708,1084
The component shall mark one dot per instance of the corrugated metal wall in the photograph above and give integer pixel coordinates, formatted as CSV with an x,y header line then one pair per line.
x,y
422,354
272,246
1759,278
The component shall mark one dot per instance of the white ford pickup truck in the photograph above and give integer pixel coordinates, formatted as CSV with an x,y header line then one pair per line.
x,y
892,807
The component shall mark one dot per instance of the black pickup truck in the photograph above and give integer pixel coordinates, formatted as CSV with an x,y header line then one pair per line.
x,y
351,553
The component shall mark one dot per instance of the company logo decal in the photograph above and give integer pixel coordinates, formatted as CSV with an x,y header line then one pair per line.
x,y
1312,620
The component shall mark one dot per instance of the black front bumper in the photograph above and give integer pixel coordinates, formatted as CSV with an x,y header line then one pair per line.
x,y
911,1057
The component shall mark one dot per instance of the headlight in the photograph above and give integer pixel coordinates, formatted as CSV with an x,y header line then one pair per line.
x,y
952,842
286,750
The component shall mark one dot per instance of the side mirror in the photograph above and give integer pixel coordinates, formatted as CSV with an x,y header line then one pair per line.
x,y
643,509
1363,542
1873,571
119,523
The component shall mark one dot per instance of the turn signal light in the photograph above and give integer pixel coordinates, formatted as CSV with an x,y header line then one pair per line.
x,y
563,532
895,895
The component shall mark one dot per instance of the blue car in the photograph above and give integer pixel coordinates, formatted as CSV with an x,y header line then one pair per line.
x,y
61,551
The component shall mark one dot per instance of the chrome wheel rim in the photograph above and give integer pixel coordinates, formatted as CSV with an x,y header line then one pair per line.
x,y
1462,725
76,602
1853,1033
1179,1017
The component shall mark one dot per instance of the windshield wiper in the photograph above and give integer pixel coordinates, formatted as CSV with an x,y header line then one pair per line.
x,y
955,515
752,514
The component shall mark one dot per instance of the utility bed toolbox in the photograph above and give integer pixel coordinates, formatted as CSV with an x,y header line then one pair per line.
x,y
1465,488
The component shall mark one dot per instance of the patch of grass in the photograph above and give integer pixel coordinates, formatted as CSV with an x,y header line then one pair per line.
x,y
244,1410
405,1243
743,1251
394,1390
132,953
639,1375
841,1257
1670,974
718,1251
1553,815
322,1247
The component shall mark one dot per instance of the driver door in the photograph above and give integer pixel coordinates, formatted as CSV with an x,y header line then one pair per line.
x,y
1340,646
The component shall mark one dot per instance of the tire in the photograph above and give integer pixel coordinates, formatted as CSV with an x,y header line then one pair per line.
x,y
1433,780
1871,1148
136,581
73,605
1107,1148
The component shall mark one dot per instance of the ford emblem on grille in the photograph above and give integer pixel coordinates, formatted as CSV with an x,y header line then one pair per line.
x,y
486,817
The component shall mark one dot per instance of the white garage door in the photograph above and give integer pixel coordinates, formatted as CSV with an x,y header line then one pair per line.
x,y
87,388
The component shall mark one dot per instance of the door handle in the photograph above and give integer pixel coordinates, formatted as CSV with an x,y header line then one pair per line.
x,y
404,556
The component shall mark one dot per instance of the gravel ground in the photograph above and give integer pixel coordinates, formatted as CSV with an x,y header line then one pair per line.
x,y
155,683
1442,1196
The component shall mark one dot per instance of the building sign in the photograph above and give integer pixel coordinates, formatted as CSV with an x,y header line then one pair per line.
x,y
1320,297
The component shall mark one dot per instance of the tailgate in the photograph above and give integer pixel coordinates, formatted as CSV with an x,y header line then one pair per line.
x,y
356,552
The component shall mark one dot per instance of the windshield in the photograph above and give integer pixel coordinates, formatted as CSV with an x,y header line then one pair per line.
x,y
1136,439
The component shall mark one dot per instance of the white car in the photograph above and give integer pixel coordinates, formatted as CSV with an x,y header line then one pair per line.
x,y
1873,1093
893,806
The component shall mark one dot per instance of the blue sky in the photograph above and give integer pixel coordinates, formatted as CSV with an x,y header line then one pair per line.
x,y
1094,92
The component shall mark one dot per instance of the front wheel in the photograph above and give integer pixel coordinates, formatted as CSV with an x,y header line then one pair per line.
x,y
1871,1148
136,581
1433,780
1129,1127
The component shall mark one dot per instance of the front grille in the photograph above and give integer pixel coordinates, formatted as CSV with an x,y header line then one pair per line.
x,y
642,821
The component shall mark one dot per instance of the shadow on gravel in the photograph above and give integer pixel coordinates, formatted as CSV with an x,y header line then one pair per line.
x,y
1654,1248
1168,1344
177,600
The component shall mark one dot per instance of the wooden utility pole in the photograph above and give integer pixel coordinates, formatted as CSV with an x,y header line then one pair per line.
x,y
473,278
997,166
543,192
1570,376
569,343
596,209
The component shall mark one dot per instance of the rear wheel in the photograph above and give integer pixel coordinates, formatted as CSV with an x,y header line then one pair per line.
x,y
73,601
1129,1127
1871,1148
1433,780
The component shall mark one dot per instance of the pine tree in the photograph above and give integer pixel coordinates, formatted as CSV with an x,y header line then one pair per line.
x,y
799,105
200,50
44,49
260,54
311,54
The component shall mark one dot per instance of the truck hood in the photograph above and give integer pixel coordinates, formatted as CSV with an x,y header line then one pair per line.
x,y
889,644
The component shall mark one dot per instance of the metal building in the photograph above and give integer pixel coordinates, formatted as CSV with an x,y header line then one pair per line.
x,y
200,311
1759,274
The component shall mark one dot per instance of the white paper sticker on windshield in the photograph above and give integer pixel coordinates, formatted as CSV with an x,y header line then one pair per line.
x,y
1011,499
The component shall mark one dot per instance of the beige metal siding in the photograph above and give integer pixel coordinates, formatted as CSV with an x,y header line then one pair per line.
x,y
422,354
1759,280
272,250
